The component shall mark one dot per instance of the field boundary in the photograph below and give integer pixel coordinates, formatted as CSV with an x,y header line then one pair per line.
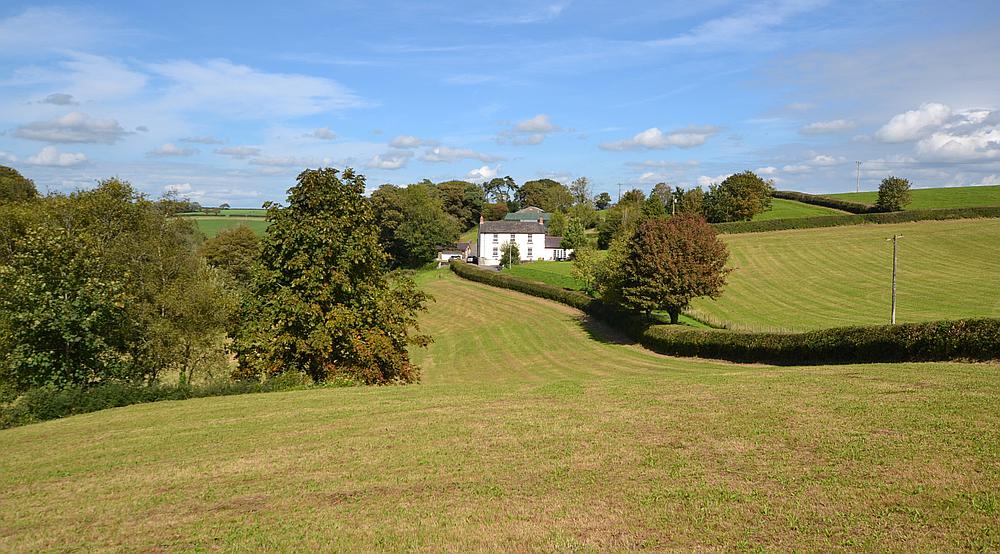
x,y
882,218
963,339
827,202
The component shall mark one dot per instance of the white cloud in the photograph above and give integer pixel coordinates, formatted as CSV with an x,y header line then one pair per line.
x,y
222,87
753,21
73,127
98,78
50,157
322,133
769,170
529,131
239,152
796,168
202,140
7,157
483,173
409,141
914,124
824,160
171,150
59,99
828,127
38,30
389,160
655,139
705,180
291,161
972,135
446,154
177,188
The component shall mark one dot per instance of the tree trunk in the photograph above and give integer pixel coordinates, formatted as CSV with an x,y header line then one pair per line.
x,y
674,316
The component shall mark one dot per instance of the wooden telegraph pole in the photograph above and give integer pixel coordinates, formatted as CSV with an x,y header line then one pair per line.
x,y
894,239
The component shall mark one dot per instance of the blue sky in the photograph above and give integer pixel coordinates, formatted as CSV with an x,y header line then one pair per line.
x,y
228,105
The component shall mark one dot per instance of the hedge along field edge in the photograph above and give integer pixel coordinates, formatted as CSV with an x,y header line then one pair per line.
x,y
964,339
826,201
936,214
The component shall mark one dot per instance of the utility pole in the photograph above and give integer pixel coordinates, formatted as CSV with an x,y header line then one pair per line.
x,y
859,176
619,192
894,239
673,209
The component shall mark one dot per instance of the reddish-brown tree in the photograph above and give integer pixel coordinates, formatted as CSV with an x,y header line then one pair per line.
x,y
670,262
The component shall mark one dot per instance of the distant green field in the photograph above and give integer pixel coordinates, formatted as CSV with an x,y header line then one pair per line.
x,y
533,430
259,212
953,197
211,225
790,209
553,273
831,277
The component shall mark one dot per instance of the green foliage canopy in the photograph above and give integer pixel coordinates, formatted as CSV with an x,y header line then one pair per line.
x,y
893,194
738,198
15,187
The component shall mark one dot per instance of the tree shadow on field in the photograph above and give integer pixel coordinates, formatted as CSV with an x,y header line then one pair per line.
x,y
603,332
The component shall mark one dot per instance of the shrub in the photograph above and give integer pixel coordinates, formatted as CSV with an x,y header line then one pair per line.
x,y
826,201
936,214
893,194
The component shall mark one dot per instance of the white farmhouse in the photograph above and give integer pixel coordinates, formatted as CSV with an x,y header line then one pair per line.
x,y
532,242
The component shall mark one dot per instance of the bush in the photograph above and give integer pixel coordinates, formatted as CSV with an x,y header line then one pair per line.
x,y
970,339
893,194
826,201
49,402
936,214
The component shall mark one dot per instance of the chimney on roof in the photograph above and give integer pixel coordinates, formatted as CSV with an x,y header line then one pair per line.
x,y
541,220
481,219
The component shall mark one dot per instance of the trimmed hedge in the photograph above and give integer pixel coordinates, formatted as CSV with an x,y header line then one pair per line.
x,y
826,201
935,214
969,339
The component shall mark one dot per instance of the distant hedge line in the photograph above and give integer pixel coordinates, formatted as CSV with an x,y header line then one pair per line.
x,y
907,216
827,201
971,339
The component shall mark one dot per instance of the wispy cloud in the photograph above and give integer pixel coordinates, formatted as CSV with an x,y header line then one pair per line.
x,y
655,139
73,127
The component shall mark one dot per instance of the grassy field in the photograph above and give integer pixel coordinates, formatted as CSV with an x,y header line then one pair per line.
x,y
470,236
528,434
211,225
553,273
954,197
790,209
816,278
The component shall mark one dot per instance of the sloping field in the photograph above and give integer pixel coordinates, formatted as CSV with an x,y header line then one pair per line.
x,y
528,434
210,225
831,277
790,209
953,197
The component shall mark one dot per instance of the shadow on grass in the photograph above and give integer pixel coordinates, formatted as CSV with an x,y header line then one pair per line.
x,y
602,332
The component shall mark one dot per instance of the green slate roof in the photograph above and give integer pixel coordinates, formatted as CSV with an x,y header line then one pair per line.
x,y
530,213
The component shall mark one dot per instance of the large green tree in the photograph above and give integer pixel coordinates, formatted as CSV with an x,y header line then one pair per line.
x,y
323,302
15,187
463,200
574,235
602,201
669,263
549,195
234,251
738,198
413,223
580,189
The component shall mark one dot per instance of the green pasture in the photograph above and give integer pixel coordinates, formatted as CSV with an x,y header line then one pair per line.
x,y
210,225
952,197
533,430
790,209
832,277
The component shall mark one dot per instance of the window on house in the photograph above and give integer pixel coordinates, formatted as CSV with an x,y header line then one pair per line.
x,y
529,253
496,238
512,237
529,238
495,252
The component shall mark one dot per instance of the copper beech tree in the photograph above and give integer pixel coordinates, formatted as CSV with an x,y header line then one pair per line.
x,y
669,263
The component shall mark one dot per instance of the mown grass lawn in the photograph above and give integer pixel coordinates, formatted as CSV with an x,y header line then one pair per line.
x,y
528,434
837,276
790,209
952,197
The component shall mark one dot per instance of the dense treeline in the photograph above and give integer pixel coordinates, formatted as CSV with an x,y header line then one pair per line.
x,y
857,219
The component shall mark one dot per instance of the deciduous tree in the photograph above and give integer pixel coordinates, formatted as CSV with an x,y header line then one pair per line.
x,y
509,254
738,198
893,194
15,187
670,262
323,302
602,201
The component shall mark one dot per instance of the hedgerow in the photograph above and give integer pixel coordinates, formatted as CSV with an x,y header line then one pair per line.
x,y
857,219
970,339
827,201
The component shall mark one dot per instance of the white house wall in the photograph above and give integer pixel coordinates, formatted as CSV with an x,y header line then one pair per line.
x,y
537,246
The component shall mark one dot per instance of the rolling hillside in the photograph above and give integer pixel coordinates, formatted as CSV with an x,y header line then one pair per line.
x,y
229,218
830,277
790,209
953,197
527,434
